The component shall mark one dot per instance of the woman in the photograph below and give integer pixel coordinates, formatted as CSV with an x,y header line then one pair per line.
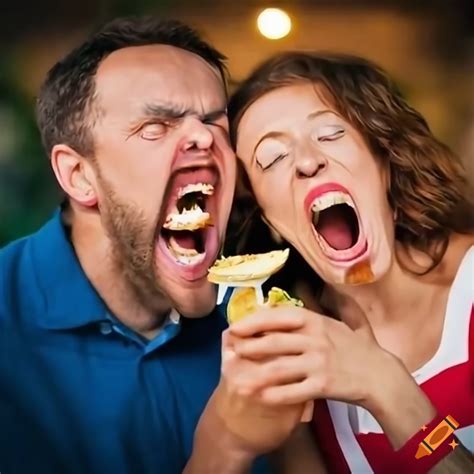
x,y
347,173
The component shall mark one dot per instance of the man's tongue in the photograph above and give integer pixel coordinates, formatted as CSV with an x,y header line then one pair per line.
x,y
185,239
335,228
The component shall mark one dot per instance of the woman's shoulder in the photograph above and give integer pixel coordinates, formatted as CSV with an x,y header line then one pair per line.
x,y
459,258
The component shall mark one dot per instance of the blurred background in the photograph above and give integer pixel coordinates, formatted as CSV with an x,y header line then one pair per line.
x,y
427,45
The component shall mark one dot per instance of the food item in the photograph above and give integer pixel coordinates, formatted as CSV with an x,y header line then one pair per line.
x,y
190,219
277,296
190,213
244,302
359,274
246,274
247,268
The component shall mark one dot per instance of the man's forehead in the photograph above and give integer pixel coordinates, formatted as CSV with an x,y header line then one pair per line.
x,y
163,55
160,71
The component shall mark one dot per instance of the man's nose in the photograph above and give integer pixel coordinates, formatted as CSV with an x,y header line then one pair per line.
x,y
198,136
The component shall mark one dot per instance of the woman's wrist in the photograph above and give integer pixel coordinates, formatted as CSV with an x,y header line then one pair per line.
x,y
397,402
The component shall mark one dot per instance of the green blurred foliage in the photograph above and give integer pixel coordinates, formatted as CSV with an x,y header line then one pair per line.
x,y
28,192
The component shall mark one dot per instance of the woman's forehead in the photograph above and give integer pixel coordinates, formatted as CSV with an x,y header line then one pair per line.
x,y
278,109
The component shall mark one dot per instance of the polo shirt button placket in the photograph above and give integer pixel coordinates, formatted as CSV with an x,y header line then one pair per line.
x,y
105,328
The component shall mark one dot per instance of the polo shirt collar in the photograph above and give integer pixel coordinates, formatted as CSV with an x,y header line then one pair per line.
x,y
69,297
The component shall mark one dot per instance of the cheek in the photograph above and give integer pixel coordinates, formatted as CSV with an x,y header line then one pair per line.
x,y
224,150
274,195
139,172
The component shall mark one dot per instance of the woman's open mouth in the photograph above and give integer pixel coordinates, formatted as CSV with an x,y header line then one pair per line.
x,y
336,223
188,236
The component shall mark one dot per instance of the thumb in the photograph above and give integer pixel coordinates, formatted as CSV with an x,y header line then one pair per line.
x,y
353,316
227,346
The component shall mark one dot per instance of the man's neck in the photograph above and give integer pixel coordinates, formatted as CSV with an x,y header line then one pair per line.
x,y
93,249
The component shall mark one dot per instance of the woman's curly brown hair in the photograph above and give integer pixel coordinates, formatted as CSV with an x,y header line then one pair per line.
x,y
428,186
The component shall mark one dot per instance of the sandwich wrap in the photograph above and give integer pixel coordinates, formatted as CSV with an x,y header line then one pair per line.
x,y
245,275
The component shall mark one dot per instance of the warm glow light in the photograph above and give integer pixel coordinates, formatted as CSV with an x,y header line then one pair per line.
x,y
274,23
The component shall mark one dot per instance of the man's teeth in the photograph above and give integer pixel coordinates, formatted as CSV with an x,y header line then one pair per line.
x,y
328,200
191,260
203,188
183,255
190,219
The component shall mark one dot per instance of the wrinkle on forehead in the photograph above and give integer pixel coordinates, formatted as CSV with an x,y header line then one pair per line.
x,y
157,71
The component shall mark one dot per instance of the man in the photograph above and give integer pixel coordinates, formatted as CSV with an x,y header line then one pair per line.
x,y
99,373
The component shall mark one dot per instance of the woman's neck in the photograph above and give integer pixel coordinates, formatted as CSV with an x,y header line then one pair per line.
x,y
382,301
402,294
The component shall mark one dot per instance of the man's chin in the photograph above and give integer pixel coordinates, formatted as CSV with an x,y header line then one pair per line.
x,y
197,309
197,301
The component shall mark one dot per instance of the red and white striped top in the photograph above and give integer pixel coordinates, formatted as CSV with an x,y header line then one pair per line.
x,y
352,441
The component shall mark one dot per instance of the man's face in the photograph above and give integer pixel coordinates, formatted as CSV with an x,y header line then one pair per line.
x,y
162,126
318,184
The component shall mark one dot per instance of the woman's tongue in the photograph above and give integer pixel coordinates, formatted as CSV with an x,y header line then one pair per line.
x,y
335,229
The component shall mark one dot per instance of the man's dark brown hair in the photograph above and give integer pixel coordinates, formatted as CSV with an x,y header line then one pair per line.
x,y
66,107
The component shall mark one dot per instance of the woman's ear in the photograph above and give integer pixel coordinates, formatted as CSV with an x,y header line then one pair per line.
x,y
276,236
75,175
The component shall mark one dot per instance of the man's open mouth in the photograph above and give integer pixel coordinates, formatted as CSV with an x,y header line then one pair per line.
x,y
187,232
336,223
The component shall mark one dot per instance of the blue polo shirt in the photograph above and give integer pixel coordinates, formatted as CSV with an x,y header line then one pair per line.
x,y
82,393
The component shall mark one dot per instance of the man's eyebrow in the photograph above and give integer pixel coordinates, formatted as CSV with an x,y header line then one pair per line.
x,y
165,111
214,115
173,112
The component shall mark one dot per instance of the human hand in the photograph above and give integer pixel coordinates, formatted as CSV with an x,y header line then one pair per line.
x,y
257,427
321,357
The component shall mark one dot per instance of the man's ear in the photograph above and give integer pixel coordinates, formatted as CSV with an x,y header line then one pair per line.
x,y
75,174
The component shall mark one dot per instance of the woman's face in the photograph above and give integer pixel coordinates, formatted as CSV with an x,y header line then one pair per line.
x,y
318,184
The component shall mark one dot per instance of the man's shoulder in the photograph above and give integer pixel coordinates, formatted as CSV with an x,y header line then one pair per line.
x,y
11,254
19,292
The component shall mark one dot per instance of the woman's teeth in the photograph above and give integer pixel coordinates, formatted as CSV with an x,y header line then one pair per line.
x,y
327,200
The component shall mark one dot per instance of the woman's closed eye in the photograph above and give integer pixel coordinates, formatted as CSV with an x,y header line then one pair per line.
x,y
268,162
269,153
329,133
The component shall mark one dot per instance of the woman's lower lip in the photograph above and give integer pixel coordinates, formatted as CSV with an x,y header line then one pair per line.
x,y
342,256
351,258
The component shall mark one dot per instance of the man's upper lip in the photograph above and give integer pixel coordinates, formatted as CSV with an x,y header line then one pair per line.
x,y
192,159
322,189
193,175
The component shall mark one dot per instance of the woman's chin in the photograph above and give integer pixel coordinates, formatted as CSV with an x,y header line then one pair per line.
x,y
369,266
